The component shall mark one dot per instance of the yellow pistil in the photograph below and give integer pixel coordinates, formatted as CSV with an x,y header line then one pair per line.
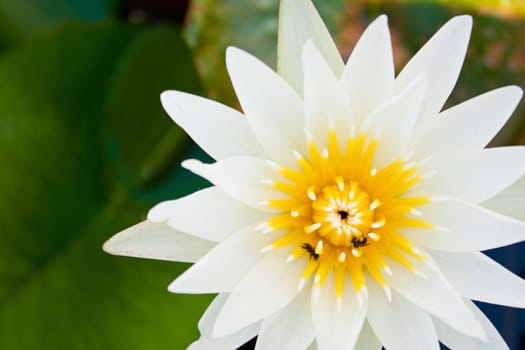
x,y
344,215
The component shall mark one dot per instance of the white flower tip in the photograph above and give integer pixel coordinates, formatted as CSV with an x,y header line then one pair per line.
x,y
122,242
159,213
515,90
381,21
462,20
383,18
166,97
309,48
108,247
191,164
179,285
232,53
172,288
236,57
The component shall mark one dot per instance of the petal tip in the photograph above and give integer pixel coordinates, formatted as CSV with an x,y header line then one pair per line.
x,y
108,247
517,91
463,20
382,19
232,54
173,287
167,99
191,164
156,215
165,95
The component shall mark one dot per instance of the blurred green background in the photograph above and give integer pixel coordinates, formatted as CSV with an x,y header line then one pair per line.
x,y
86,150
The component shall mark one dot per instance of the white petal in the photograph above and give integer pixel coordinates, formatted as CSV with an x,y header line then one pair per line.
x,y
393,123
273,108
269,286
455,340
298,23
289,329
206,323
337,327
323,98
225,265
219,130
240,177
399,323
367,339
440,59
465,227
157,241
478,277
433,294
209,214
313,346
471,124
511,201
207,320
474,176
368,77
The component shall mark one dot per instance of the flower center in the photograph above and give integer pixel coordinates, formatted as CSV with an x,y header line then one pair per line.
x,y
345,216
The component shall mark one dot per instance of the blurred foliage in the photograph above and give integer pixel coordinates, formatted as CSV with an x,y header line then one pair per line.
x,y
19,19
82,136
86,149
503,8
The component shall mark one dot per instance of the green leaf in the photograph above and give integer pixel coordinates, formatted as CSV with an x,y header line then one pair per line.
x,y
134,110
20,18
82,139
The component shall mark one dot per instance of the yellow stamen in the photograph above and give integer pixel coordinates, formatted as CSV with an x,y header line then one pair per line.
x,y
311,228
311,193
344,214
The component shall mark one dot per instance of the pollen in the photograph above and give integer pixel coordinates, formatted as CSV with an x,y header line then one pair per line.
x,y
345,215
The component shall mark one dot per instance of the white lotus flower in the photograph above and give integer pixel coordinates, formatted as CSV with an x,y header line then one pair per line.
x,y
346,210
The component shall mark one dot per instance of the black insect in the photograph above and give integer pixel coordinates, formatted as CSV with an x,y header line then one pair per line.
x,y
343,214
311,251
359,242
